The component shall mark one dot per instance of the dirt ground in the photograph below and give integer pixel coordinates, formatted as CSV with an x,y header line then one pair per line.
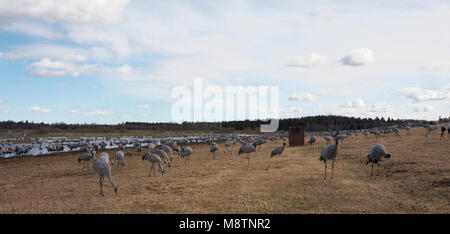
x,y
415,180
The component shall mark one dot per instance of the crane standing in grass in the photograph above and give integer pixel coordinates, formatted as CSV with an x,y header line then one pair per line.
x,y
119,156
86,157
312,140
376,154
185,152
102,167
443,130
327,139
259,142
166,149
247,149
229,144
213,148
330,152
153,158
278,150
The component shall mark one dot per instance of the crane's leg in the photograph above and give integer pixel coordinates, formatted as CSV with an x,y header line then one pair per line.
x,y
161,169
154,173
101,186
372,170
325,171
150,173
248,160
332,169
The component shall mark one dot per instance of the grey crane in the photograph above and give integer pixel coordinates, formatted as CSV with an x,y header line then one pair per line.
x,y
312,140
443,130
153,158
102,167
213,148
228,144
162,154
138,148
327,139
259,142
430,129
185,152
376,154
247,149
119,156
85,157
329,152
175,148
278,150
166,149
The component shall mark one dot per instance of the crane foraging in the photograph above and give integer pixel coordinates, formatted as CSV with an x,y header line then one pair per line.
x,y
153,158
376,154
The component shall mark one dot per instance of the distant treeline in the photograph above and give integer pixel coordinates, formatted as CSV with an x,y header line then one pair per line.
x,y
312,123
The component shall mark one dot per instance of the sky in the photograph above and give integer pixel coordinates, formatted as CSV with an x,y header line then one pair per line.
x,y
112,61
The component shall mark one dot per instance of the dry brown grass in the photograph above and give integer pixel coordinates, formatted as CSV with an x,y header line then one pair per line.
x,y
415,180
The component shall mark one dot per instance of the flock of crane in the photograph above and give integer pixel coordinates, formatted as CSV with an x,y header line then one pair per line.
x,y
158,153
160,150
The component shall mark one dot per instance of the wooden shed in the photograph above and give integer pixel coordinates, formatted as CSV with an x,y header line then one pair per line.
x,y
296,135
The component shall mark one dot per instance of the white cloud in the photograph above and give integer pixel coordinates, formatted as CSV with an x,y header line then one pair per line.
x,y
358,108
437,65
302,97
419,94
358,57
355,103
39,109
125,69
421,108
48,68
142,106
75,11
292,112
99,112
310,61
91,113
34,29
62,84
382,108
2,101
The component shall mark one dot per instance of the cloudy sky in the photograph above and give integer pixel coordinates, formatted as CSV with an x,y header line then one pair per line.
x,y
110,61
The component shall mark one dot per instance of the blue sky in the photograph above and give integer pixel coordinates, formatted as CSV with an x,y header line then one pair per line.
x,y
116,61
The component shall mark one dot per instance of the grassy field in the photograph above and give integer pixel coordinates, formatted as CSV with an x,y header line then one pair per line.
x,y
415,180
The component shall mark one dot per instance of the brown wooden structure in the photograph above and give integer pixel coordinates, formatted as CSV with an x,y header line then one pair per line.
x,y
296,135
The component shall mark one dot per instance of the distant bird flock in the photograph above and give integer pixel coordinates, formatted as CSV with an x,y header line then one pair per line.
x,y
160,149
